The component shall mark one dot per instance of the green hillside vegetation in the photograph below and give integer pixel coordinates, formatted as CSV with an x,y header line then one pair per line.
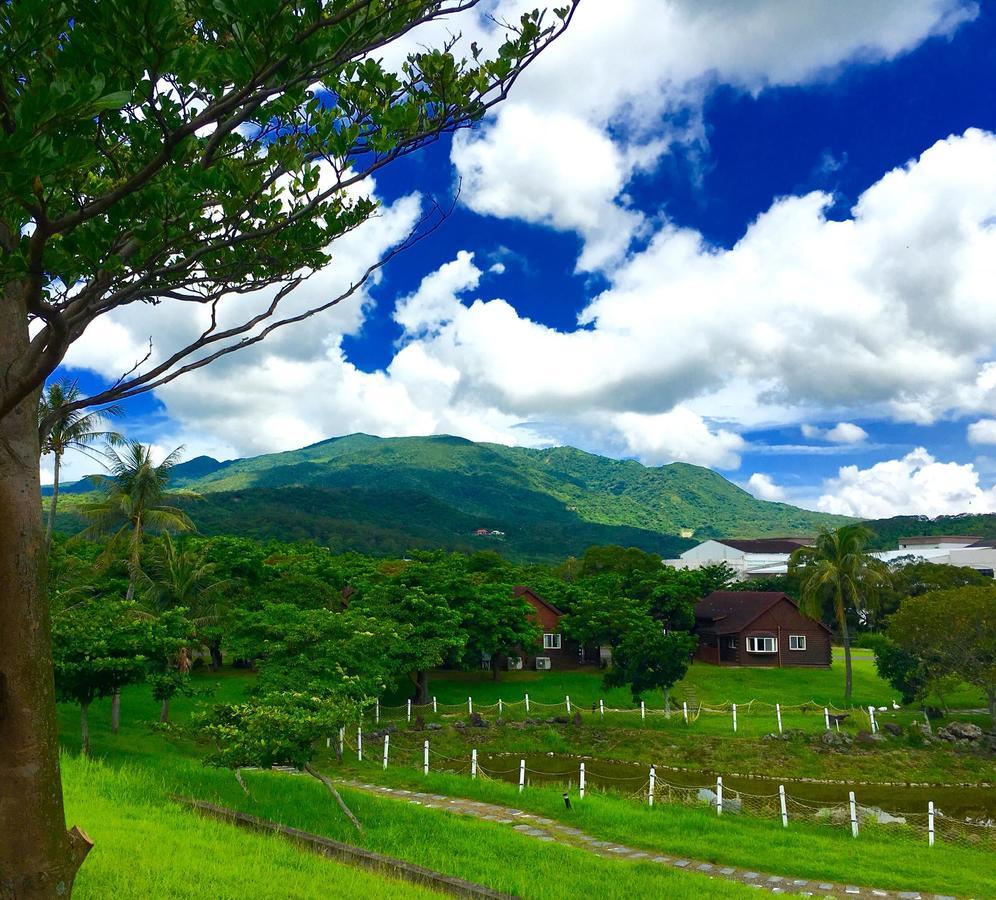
x,y
388,495
888,531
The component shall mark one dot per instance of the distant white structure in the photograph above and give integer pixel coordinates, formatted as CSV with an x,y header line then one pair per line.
x,y
770,556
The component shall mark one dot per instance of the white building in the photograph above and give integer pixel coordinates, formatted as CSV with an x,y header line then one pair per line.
x,y
770,556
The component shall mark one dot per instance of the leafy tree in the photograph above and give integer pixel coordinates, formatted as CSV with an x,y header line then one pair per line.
x,y
912,576
494,623
837,571
952,633
99,646
902,669
649,657
68,428
118,131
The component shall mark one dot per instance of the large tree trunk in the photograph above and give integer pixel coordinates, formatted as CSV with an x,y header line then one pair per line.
x,y
216,659
55,499
164,710
845,638
85,728
422,687
37,856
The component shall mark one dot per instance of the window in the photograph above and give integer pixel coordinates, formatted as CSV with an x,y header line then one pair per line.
x,y
731,643
762,644
797,642
551,641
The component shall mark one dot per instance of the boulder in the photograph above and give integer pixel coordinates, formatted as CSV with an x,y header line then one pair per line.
x,y
866,737
730,804
960,731
477,721
838,740
894,728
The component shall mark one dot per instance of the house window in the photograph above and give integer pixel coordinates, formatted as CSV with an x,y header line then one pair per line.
x,y
731,643
762,644
551,641
797,642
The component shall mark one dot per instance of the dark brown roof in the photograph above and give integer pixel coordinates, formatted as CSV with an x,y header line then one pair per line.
x,y
521,589
767,545
941,539
730,612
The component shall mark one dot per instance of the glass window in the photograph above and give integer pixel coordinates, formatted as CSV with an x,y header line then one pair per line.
x,y
797,642
731,643
757,644
551,641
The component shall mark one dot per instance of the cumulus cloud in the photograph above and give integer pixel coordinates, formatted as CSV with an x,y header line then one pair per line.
x,y
915,484
982,432
603,102
841,433
764,488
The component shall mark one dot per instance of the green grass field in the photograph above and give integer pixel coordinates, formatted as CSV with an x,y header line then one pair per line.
x,y
124,797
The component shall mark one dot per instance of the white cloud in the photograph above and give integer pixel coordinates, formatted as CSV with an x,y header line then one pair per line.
x,y
601,102
678,436
915,484
982,432
841,433
764,488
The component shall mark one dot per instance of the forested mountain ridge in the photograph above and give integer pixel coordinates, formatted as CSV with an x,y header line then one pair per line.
x,y
385,495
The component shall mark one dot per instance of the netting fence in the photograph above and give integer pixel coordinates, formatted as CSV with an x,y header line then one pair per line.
x,y
651,785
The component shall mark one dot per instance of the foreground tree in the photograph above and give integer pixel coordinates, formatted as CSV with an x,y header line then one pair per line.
x,y
180,154
69,428
837,571
952,634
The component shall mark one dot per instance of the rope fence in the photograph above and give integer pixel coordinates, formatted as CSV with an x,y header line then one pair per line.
x,y
931,827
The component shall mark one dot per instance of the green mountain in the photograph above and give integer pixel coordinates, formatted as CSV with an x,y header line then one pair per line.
x,y
387,495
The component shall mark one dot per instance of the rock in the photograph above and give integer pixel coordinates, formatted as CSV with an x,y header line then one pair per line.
x,y
561,720
893,728
434,726
477,721
841,815
960,731
866,737
838,740
730,804
576,720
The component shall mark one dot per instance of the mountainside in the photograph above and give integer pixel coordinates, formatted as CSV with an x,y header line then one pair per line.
x,y
888,531
385,495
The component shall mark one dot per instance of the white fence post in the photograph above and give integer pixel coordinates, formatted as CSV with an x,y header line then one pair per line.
x,y
527,702
473,763
930,823
409,709
425,758
778,712
684,710
650,790
854,814
470,706
377,712
342,740
781,801
871,715
328,743
581,782
643,711
826,717
601,707
434,704
522,774
387,744
359,744
719,795
568,698
501,709
734,716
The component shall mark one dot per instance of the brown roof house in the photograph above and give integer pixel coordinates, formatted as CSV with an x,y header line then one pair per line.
x,y
758,628
553,650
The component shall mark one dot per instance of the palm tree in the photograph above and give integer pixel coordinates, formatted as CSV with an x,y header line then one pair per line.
x,y
136,500
62,428
176,578
836,568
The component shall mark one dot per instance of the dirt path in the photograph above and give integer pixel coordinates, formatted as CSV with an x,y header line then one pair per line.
x,y
550,830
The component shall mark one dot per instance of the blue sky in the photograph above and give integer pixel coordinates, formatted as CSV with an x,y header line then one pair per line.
x,y
709,232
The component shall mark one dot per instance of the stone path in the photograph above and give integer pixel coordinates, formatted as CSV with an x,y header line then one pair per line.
x,y
543,829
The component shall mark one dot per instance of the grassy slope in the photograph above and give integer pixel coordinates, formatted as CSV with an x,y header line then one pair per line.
x,y
156,765
387,495
124,799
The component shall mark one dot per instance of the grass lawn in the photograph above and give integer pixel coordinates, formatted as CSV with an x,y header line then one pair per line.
x,y
126,795
709,685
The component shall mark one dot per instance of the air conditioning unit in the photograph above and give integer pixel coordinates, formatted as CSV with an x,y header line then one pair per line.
x,y
515,662
542,662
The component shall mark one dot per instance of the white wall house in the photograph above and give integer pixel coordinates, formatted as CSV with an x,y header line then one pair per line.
x,y
770,556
